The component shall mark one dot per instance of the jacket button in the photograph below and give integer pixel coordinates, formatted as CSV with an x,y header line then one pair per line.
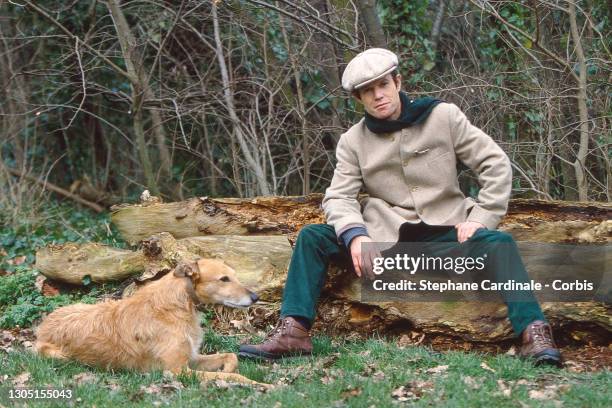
x,y
414,189
405,162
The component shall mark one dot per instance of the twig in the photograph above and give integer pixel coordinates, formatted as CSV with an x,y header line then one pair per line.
x,y
52,187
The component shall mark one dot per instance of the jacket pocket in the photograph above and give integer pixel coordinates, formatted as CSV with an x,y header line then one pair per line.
x,y
442,168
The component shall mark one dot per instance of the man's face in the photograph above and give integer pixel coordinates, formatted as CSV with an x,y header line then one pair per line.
x,y
381,98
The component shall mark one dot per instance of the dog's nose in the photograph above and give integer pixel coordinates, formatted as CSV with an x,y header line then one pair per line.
x,y
254,297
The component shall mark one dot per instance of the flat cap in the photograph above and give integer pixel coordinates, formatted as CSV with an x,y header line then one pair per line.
x,y
367,67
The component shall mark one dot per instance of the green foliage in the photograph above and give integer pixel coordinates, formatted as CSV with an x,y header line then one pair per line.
x,y
20,302
340,373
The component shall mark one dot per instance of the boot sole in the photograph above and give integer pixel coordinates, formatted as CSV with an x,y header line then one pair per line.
x,y
548,357
271,357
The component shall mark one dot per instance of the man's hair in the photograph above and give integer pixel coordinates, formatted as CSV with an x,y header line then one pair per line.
x,y
393,74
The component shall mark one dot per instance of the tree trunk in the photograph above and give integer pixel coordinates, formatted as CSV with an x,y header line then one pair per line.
x,y
580,163
533,220
374,32
141,92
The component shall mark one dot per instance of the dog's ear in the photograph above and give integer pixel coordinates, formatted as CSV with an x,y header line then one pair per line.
x,y
185,269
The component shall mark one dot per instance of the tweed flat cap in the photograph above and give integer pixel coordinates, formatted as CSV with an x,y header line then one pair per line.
x,y
367,67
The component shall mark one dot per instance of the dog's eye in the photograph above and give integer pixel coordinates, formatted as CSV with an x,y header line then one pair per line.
x,y
224,279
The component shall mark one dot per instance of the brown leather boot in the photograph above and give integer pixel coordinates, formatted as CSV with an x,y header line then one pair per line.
x,y
538,344
288,339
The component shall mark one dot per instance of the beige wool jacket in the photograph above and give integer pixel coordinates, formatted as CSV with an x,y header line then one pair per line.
x,y
410,176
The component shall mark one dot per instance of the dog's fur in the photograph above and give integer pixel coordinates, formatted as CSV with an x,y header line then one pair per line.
x,y
156,328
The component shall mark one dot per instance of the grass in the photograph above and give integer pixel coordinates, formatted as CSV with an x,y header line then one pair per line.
x,y
340,373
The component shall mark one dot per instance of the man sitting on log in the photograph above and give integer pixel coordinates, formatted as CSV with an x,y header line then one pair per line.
x,y
403,154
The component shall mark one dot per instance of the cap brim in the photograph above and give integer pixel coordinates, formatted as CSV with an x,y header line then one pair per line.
x,y
376,78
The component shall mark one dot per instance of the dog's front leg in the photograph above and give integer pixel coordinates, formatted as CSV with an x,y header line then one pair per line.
x,y
226,362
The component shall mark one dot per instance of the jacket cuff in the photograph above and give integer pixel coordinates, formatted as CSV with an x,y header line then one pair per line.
x,y
485,217
347,236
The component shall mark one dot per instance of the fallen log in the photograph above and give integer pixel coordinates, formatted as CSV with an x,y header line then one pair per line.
x,y
261,263
527,220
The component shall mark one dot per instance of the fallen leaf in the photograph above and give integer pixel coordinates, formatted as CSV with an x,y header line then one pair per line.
x,y
152,389
437,370
6,341
21,380
351,392
504,388
327,380
378,376
574,366
412,391
84,378
402,394
3,378
545,394
511,351
18,260
113,387
484,366
172,386
471,382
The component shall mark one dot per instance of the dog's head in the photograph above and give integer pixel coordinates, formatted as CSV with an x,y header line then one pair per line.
x,y
215,283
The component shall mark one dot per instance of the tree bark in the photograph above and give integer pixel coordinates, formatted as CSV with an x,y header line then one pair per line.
x,y
533,220
374,32
580,163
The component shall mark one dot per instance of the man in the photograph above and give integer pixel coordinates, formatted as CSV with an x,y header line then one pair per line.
x,y
403,153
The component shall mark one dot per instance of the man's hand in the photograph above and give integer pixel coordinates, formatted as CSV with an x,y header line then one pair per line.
x,y
363,261
465,230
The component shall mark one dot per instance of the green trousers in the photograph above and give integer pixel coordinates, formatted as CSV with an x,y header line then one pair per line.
x,y
317,245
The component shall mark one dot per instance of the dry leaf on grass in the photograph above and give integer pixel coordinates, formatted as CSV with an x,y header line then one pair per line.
x,y
574,366
542,394
351,392
152,389
18,260
504,388
378,376
412,391
6,341
472,382
21,380
511,351
84,378
437,370
484,366
113,387
327,380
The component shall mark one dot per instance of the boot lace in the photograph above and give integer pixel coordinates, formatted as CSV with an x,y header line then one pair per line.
x,y
279,329
542,337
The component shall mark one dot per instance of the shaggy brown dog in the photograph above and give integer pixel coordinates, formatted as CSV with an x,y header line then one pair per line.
x,y
157,328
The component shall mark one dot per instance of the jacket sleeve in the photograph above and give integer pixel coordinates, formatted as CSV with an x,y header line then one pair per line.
x,y
340,204
480,153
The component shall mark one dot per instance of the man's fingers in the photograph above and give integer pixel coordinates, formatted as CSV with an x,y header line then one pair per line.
x,y
356,265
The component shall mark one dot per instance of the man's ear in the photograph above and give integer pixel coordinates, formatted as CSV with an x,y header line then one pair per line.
x,y
185,269
398,82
